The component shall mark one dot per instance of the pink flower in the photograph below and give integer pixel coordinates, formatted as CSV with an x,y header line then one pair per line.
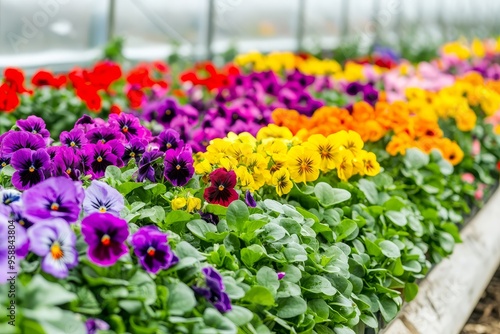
x,y
476,147
479,194
468,177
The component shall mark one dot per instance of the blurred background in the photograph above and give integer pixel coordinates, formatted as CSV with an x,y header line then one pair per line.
x,y
59,34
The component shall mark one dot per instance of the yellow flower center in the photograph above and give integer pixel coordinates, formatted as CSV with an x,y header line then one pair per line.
x,y
4,164
178,167
105,240
125,129
34,132
54,207
56,251
31,169
103,140
21,222
221,187
68,171
168,112
102,209
72,144
99,159
132,154
169,145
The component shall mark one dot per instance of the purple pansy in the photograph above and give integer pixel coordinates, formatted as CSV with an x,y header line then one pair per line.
x,y
179,166
93,325
106,235
168,139
31,167
281,274
103,135
74,138
102,198
146,170
129,126
57,197
55,242
215,290
4,161
134,150
34,125
67,163
100,157
151,247
17,140
249,200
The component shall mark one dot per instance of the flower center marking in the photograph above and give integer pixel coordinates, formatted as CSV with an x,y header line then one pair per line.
x,y
54,207
68,171
132,154
105,240
125,129
221,187
34,132
4,164
32,168
178,167
169,145
56,251
151,251
102,209
72,144
99,159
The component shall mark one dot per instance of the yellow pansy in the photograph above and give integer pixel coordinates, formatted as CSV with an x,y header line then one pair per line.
x,y
281,180
303,164
371,167
327,148
345,169
178,203
193,204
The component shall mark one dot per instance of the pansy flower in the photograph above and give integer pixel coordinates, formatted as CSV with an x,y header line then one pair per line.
x,y
221,190
105,235
55,242
118,150
102,198
151,247
31,167
94,325
17,140
215,290
57,197
168,139
134,150
4,161
179,166
128,125
34,125
67,163
146,170
103,135
74,138
100,157
249,200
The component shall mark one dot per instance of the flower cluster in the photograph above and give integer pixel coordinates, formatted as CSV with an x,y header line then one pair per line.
x,y
276,158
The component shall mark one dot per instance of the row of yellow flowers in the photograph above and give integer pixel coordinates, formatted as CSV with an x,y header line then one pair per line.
x,y
275,157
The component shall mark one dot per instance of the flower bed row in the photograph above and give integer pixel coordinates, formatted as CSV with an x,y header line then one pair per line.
x,y
278,194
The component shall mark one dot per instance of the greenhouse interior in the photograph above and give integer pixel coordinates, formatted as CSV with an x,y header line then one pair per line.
x,y
249,167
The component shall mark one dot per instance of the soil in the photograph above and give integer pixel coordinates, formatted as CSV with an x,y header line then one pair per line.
x,y
486,317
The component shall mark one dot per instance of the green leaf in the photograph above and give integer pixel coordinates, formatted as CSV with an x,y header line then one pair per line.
x,y
291,307
177,216
328,196
397,218
415,158
53,320
295,252
390,249
345,229
114,173
41,293
181,298
252,254
273,206
126,187
200,228
239,315
269,278
369,189
320,307
259,295
318,284
237,215
369,320
216,209
307,214
410,291
214,319
388,308
159,214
